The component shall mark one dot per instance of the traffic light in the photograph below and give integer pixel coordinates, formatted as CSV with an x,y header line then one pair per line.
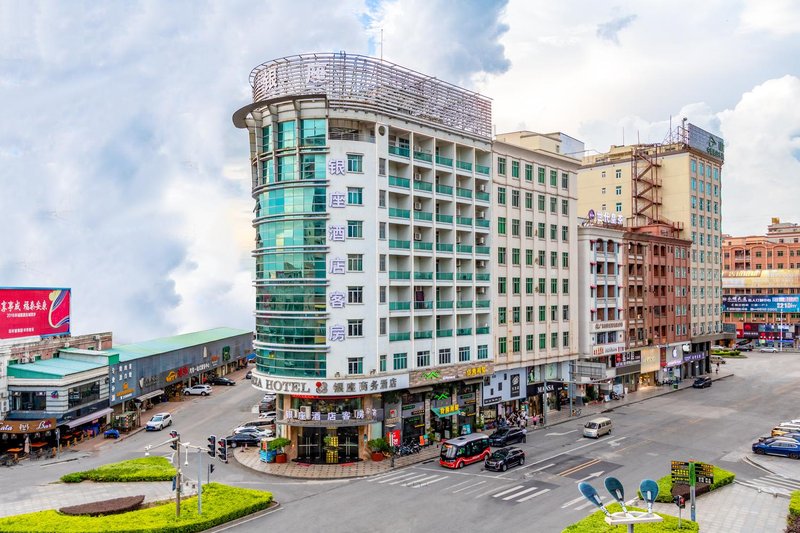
x,y
174,436
210,469
212,446
680,501
222,450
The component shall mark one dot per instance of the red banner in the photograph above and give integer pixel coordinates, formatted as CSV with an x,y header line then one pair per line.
x,y
33,312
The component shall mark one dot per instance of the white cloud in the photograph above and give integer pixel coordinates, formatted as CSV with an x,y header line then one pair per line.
x,y
779,17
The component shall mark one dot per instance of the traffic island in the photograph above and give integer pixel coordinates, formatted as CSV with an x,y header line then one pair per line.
x,y
143,469
596,523
667,490
793,520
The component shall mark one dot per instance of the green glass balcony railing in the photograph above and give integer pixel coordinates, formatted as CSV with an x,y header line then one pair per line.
x,y
462,304
481,222
483,250
466,221
444,189
484,304
447,219
423,334
420,185
423,305
444,161
399,150
463,193
396,181
423,215
399,306
422,156
482,331
480,169
464,331
444,247
419,245
463,165
444,304
464,276
401,245
399,274
399,213
423,275
483,276
444,276
483,196
400,336
464,248
444,332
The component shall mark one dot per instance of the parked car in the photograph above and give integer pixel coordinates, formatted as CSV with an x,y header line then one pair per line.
x,y
240,439
267,416
159,422
263,423
778,447
506,436
261,433
198,390
702,382
222,380
249,374
768,349
791,437
745,348
504,458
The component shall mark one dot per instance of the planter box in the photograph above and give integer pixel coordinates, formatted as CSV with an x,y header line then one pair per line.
x,y
280,458
377,456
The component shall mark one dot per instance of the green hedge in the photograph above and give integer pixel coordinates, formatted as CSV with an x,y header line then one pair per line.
x,y
595,523
221,504
721,478
143,469
794,505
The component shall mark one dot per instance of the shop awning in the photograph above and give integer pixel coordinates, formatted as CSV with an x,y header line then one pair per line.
x,y
416,390
88,418
151,394
251,357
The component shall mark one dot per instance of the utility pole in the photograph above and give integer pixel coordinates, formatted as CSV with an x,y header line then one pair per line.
x,y
199,481
176,445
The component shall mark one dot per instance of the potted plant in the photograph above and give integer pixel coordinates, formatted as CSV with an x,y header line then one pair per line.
x,y
277,446
378,447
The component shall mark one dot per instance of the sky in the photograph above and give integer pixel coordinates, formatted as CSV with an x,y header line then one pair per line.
x,y
123,178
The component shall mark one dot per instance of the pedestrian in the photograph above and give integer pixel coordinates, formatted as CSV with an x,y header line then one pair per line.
x,y
717,368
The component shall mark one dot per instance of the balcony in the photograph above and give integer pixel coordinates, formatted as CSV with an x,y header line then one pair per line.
x,y
481,169
423,275
464,276
464,304
463,165
428,334
463,193
464,248
482,222
399,213
444,276
444,304
399,150
464,221
399,274
483,250
444,247
423,156
423,215
423,305
446,219
482,331
483,196
463,331
404,336
444,332
481,276
420,185
399,245
396,181
399,306
444,161
426,246
444,189
483,304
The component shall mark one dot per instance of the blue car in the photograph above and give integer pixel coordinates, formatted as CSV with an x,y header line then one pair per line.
x,y
785,447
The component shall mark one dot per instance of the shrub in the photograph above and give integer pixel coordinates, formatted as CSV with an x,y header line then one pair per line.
x,y
665,493
794,506
278,444
112,506
221,503
595,523
379,445
142,469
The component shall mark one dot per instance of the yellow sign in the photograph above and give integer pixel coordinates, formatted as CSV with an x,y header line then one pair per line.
x,y
476,371
448,409
761,279
125,390
171,377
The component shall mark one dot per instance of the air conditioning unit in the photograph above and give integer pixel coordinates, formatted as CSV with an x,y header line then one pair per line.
x,y
482,188
481,290
481,240
25,359
417,206
481,264
307,410
96,337
418,236
417,176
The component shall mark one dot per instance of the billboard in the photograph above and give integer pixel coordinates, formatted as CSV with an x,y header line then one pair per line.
x,y
762,279
30,312
706,142
773,303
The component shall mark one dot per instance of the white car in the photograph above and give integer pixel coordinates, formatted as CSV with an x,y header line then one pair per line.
x,y
198,390
769,349
261,433
269,416
159,422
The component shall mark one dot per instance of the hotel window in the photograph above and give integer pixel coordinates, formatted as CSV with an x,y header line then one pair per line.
x,y
565,286
553,259
355,229
554,178
618,207
528,285
565,338
554,339
553,204
400,361
423,359
553,232
529,313
515,314
286,134
541,258
382,295
501,195
564,180
542,283
618,173
515,285
355,295
565,207
528,228
528,172
355,328
382,199
501,345
540,202
540,175
501,285
501,225
515,256
553,285
355,262
382,230
542,313
355,163
515,227
463,354
501,255
501,166
528,343
355,196
501,315
553,313
483,351
565,312
564,259
382,263
540,230
355,365
564,233
542,341
382,363
528,200
618,190
529,257
515,169
515,344
514,198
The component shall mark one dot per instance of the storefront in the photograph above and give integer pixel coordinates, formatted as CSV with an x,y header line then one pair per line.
x,y
557,395
694,364
627,366
671,368
412,413
22,437
650,364
504,392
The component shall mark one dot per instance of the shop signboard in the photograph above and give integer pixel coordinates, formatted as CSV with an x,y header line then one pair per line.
x,y
608,349
761,279
494,400
706,142
772,303
608,325
651,359
331,387
674,357
412,409
27,426
694,356
539,388
28,312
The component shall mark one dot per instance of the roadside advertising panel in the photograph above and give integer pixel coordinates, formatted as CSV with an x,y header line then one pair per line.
x,y
28,312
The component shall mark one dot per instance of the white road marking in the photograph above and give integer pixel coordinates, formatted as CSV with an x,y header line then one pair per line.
x,y
417,480
481,495
459,484
507,491
431,481
518,494
562,433
535,494
401,479
572,502
470,487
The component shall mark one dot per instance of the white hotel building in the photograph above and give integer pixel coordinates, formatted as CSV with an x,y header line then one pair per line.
x,y
373,269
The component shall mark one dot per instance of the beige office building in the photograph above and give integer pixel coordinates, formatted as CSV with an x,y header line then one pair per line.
x,y
678,183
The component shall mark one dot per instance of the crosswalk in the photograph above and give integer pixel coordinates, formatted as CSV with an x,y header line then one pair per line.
x,y
475,488
772,483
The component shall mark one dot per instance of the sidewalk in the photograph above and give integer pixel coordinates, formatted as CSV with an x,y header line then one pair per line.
x,y
250,458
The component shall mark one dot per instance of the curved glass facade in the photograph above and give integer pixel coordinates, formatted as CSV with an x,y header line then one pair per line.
x,y
290,336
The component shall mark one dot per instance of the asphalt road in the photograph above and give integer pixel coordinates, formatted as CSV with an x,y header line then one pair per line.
x,y
715,425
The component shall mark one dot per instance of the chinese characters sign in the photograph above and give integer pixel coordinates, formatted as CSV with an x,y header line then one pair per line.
x,y
29,312
332,387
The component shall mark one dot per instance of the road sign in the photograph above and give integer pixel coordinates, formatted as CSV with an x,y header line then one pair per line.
x,y
703,472
680,472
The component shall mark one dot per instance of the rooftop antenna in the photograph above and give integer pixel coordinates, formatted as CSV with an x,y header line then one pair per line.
x,y
381,45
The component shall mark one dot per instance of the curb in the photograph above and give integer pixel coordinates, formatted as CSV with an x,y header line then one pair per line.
x,y
276,506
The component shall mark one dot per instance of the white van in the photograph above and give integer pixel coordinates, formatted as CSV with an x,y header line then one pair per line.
x,y
597,427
